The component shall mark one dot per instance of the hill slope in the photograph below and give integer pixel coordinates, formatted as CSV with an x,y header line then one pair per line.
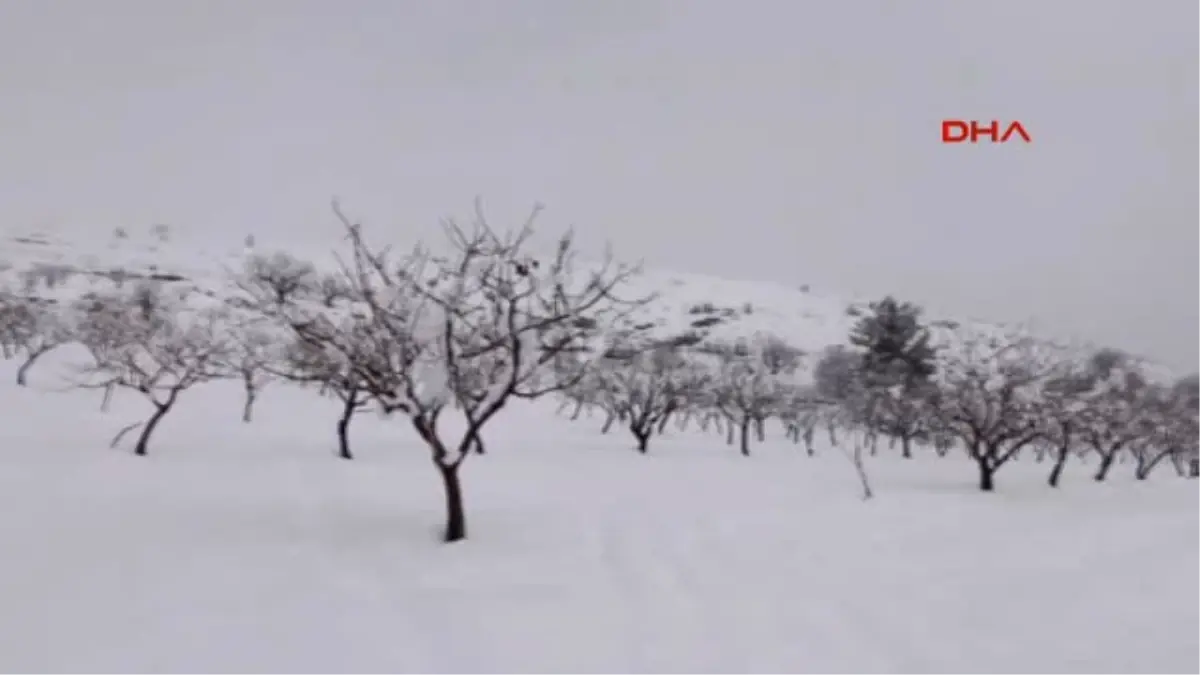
x,y
45,263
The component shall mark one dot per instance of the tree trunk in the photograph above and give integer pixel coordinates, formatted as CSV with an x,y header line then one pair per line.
x,y
248,405
760,429
987,475
143,442
456,517
1145,467
107,400
1106,462
1177,462
608,422
343,425
862,472
478,447
906,446
643,440
1059,462
745,435
23,371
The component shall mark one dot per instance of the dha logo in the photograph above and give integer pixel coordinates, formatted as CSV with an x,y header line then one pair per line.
x,y
961,131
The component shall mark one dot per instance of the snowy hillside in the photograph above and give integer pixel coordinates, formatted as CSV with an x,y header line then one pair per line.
x,y
56,265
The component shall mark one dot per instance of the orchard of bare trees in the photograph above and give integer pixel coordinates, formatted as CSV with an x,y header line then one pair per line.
x,y
462,329
994,395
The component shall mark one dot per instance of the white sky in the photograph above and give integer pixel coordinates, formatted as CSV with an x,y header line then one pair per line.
x,y
794,141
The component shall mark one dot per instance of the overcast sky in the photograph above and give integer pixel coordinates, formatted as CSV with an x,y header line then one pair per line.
x,y
795,141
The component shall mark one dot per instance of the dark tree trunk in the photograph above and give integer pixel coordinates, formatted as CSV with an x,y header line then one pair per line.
x,y
343,435
1146,466
906,446
1059,462
23,371
143,443
987,475
745,436
248,405
349,405
643,440
1106,462
478,447
107,400
456,517
578,410
760,429
608,422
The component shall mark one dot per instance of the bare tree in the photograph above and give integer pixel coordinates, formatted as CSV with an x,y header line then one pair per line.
x,y
153,342
988,396
30,327
466,332
584,396
100,332
273,283
899,412
1064,408
845,401
754,379
1171,426
1117,414
1187,395
801,420
334,376
645,388
252,356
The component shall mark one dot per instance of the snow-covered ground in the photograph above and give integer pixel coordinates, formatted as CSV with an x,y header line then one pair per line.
x,y
251,548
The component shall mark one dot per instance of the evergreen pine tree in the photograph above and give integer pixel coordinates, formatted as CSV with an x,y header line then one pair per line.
x,y
896,362
895,345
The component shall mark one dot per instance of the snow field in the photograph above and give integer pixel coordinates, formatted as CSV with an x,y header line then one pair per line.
x,y
252,548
